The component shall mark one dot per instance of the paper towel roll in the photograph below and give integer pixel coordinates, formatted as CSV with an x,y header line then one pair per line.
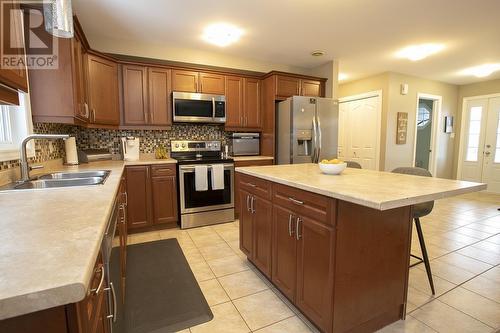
x,y
71,154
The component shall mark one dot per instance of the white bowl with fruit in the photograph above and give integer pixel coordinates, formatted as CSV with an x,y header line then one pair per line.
x,y
332,167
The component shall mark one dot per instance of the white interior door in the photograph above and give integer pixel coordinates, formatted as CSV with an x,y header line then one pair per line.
x,y
491,155
359,126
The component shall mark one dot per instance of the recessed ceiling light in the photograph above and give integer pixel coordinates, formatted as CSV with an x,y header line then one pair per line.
x,y
482,70
317,53
222,34
419,52
342,76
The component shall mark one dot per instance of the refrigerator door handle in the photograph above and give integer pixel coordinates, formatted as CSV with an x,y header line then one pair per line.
x,y
318,133
315,141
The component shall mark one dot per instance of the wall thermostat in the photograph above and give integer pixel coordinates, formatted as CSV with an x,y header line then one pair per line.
x,y
404,88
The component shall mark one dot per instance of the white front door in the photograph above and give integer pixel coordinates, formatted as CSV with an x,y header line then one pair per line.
x,y
359,126
481,149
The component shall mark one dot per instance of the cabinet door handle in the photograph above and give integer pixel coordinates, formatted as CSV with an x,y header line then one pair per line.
x,y
126,198
112,317
295,201
101,283
251,204
290,230
297,228
248,203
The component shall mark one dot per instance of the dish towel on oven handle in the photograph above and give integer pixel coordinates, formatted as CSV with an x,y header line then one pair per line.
x,y
201,177
217,176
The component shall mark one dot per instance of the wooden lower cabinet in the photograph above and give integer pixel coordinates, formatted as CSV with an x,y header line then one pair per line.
x,y
164,194
246,224
315,268
261,225
139,196
284,262
152,195
344,266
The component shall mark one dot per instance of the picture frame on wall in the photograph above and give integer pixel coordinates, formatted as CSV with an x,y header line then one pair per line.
x,y
401,128
448,124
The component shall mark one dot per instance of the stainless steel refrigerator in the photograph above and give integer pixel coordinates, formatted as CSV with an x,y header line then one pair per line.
x,y
307,129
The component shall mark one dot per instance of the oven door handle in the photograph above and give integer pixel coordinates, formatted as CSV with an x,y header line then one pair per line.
x,y
190,168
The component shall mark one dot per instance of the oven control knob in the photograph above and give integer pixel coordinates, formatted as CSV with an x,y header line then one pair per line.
x,y
183,145
176,145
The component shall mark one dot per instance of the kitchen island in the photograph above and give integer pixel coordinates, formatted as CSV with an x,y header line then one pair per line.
x,y
337,246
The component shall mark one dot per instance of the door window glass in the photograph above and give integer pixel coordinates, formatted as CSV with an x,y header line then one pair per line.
x,y
474,133
497,147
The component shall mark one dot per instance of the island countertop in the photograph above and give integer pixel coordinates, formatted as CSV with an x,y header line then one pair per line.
x,y
50,239
374,189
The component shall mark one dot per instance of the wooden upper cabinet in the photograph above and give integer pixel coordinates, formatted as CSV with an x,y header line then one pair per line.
x,y
234,101
14,77
252,103
103,90
186,81
138,196
79,80
212,83
135,95
311,88
159,96
287,86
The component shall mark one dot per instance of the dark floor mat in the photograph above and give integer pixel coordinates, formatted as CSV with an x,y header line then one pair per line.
x,y
162,294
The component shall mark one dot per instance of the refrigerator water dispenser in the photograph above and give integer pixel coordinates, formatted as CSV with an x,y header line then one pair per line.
x,y
304,142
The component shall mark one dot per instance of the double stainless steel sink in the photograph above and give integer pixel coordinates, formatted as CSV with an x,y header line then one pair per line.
x,y
63,179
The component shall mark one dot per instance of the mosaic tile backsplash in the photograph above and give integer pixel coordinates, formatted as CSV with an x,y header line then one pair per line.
x,y
110,139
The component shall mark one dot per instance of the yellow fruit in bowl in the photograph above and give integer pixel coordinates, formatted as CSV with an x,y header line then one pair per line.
x,y
325,161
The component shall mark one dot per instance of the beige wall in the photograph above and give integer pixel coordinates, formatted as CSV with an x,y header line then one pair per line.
x,y
330,71
393,155
470,90
402,155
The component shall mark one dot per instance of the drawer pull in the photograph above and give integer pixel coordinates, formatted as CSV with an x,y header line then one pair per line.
x,y
101,283
297,229
295,201
290,230
252,185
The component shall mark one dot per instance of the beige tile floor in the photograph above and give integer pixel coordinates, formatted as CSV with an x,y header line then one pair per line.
x,y
463,240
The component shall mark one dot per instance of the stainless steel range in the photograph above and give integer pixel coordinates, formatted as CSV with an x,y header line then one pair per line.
x,y
203,162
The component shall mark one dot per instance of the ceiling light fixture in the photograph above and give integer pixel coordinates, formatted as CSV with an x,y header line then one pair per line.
x,y
222,34
317,53
419,52
482,70
342,76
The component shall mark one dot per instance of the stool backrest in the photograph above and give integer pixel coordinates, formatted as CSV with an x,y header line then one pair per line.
x,y
419,210
352,164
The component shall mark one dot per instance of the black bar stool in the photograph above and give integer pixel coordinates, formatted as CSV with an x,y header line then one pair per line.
x,y
420,210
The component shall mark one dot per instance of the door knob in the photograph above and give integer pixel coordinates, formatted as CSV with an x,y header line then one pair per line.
x,y
488,146
487,153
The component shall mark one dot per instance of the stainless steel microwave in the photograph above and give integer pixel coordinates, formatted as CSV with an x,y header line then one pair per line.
x,y
198,108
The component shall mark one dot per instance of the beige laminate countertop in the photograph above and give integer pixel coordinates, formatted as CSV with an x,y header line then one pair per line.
x,y
252,158
51,237
374,189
